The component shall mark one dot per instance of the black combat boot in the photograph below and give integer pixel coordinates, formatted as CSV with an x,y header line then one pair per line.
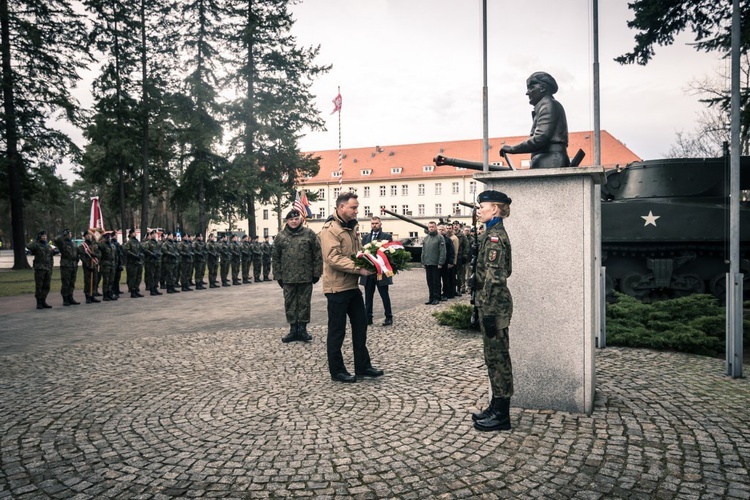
x,y
138,293
73,302
213,285
39,304
153,292
302,332
88,299
66,301
292,336
113,296
156,289
45,305
106,298
186,288
95,300
225,283
498,419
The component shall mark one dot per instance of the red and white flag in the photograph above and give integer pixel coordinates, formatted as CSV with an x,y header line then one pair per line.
x,y
96,220
336,103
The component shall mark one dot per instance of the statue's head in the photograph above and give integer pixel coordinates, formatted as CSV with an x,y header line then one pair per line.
x,y
538,85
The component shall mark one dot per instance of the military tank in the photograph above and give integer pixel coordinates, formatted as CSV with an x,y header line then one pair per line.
x,y
665,227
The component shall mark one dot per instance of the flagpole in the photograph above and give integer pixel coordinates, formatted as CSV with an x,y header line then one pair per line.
x,y
341,168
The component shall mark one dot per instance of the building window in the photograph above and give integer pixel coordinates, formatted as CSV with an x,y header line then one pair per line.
x,y
456,209
394,190
335,173
368,213
382,190
405,210
428,168
420,209
336,193
420,189
321,194
353,190
265,214
454,188
265,232
396,170
404,190
413,234
394,209
526,163
472,187
438,188
367,171
367,192
438,209
322,213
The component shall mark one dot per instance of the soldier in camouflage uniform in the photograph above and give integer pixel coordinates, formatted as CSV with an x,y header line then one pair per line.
x,y
267,249
495,307
226,255
108,261
169,257
199,259
88,252
247,258
68,266
236,258
119,262
464,258
212,260
185,249
257,259
152,249
297,264
134,264
42,252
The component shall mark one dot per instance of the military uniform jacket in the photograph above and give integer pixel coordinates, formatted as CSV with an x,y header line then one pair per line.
x,y
247,250
152,249
464,249
133,252
212,252
186,251
89,254
267,250
42,255
234,247
169,251
225,251
494,265
199,250
297,257
108,254
68,252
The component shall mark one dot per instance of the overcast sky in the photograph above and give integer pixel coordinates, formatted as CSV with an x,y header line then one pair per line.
x,y
410,71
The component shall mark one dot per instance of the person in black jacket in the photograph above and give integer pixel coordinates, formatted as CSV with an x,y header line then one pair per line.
x,y
446,273
371,282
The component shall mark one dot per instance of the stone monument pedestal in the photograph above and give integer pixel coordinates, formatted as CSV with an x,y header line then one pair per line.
x,y
553,228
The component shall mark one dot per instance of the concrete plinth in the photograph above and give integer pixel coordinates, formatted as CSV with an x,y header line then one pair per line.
x,y
552,229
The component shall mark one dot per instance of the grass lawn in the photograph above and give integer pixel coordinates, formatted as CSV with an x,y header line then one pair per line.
x,y
14,283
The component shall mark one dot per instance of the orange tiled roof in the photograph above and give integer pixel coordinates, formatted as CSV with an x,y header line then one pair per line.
x,y
412,157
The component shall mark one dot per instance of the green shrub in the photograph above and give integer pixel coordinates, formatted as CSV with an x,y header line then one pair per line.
x,y
457,316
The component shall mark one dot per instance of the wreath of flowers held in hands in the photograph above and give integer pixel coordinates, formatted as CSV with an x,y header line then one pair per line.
x,y
384,258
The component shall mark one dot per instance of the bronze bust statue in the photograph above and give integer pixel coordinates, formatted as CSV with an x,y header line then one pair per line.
x,y
548,141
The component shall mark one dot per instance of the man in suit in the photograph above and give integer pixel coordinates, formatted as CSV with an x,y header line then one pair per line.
x,y
371,282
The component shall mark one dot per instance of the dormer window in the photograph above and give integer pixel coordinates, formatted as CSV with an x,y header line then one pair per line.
x,y
336,173
366,171
428,168
396,170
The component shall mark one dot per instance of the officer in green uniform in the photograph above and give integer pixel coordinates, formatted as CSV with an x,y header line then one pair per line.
x,y
226,255
152,250
267,249
169,257
185,249
107,262
247,258
88,252
42,252
495,307
199,259
133,264
68,266
257,259
212,260
236,258
297,264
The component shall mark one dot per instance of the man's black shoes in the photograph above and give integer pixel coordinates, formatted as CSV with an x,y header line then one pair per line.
x,y
434,303
345,377
369,321
388,321
371,372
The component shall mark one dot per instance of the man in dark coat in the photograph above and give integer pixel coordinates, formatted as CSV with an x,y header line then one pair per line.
x,y
372,282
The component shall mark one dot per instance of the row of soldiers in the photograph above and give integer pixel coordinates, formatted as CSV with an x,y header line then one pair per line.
x,y
164,261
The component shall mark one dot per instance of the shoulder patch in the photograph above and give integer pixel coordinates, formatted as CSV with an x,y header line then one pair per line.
x,y
492,257
494,239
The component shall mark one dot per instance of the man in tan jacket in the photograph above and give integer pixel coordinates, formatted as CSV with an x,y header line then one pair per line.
x,y
339,242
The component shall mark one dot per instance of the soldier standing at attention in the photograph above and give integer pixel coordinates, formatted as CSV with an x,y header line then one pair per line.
x,y
199,257
247,258
495,307
119,261
236,258
134,264
267,249
297,264
169,255
257,259
463,259
185,250
42,252
212,260
226,254
89,255
108,261
68,266
153,262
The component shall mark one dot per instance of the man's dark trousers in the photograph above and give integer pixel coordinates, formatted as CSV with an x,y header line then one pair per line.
x,y
340,305
370,285
433,281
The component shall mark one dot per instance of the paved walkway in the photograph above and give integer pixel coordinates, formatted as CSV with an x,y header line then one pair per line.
x,y
195,396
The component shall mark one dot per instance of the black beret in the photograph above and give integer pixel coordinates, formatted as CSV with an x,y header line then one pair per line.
x,y
545,79
131,231
66,231
494,197
41,233
153,231
292,214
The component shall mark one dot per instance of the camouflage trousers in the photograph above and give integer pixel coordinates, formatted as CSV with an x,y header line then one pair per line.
x,y
246,268
266,268
42,280
108,278
461,277
224,270
235,270
90,281
152,273
186,270
213,267
68,280
135,273
497,359
200,270
297,302
169,271
257,268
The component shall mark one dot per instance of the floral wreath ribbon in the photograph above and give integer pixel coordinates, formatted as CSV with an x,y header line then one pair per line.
x,y
379,259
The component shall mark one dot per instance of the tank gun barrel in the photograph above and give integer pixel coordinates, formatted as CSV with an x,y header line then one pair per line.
x,y
472,206
403,218
441,160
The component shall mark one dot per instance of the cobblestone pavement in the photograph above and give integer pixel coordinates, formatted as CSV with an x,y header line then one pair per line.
x,y
236,413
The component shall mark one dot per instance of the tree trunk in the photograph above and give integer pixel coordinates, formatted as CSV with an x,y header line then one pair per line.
x,y
144,99
13,158
250,117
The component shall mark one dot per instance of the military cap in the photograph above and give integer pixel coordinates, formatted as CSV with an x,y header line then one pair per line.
x,y
494,197
41,233
545,79
131,231
66,231
292,214
153,231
